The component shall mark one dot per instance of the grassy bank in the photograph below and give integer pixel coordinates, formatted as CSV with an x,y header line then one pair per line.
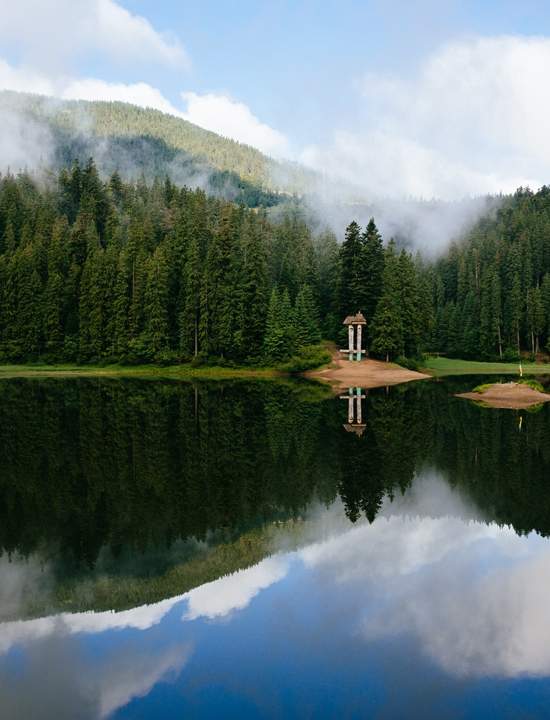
x,y
308,358
439,367
182,372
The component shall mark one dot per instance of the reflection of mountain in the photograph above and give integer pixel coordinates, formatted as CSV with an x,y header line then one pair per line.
x,y
133,491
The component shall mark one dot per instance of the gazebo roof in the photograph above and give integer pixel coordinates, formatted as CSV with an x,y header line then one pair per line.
x,y
358,319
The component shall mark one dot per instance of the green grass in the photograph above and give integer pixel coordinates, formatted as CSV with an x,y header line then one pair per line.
x,y
483,388
439,367
182,372
533,384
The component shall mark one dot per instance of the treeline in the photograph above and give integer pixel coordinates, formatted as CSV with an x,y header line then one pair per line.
x,y
491,291
94,270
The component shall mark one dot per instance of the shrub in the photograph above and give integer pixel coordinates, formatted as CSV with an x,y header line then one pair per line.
x,y
408,363
307,358
510,355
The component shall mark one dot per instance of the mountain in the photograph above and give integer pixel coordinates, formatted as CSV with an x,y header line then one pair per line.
x,y
144,142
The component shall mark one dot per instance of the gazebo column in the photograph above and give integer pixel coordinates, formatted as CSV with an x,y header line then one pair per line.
x,y
358,346
359,401
350,341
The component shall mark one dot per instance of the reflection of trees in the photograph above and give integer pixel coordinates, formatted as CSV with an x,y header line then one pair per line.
x,y
127,464
503,468
88,463
384,458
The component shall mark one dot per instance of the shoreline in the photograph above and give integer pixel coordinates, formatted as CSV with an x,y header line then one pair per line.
x,y
366,374
507,396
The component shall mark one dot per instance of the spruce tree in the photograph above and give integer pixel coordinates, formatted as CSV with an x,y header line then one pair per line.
x,y
306,319
387,325
370,269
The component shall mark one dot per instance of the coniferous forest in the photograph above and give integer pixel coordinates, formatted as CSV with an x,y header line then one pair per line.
x,y
95,270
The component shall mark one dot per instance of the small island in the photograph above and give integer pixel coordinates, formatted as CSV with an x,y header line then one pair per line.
x,y
513,395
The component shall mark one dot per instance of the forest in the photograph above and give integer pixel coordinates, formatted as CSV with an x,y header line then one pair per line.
x,y
97,270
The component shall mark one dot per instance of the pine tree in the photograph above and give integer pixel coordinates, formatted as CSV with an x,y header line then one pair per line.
x,y
254,288
387,325
190,302
275,342
156,303
370,269
350,259
306,319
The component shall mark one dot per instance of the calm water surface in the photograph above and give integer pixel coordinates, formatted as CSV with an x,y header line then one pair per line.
x,y
253,550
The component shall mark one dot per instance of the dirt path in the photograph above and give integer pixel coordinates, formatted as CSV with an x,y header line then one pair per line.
x,y
366,374
508,396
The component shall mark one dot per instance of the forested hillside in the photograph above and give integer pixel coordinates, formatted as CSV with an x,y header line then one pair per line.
x,y
96,270
491,291
93,270
134,140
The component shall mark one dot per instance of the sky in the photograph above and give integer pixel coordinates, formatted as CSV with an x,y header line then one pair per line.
x,y
428,99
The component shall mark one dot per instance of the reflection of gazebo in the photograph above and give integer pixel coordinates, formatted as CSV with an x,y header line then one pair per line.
x,y
355,422
355,325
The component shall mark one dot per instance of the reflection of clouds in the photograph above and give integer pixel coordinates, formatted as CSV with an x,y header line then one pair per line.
x,y
20,579
234,592
215,599
140,618
60,681
474,594
131,673
474,623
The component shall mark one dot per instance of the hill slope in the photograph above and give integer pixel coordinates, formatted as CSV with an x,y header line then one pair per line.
x,y
136,140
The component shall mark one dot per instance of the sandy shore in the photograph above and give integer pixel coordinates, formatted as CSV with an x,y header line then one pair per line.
x,y
508,395
365,374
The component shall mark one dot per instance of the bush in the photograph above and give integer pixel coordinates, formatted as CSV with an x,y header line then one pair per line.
x,y
408,363
307,358
510,355
199,360
167,357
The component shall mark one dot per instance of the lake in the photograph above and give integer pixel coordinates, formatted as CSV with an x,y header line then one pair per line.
x,y
267,550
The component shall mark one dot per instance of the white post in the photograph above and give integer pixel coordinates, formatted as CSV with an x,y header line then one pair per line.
x,y
351,409
350,341
358,346
359,400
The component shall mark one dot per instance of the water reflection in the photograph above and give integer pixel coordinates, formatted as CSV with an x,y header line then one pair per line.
x,y
405,566
354,399
420,603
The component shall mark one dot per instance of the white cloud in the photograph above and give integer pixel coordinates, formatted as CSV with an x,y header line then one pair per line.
x,y
235,120
51,34
24,80
472,120
234,592
140,94
130,36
